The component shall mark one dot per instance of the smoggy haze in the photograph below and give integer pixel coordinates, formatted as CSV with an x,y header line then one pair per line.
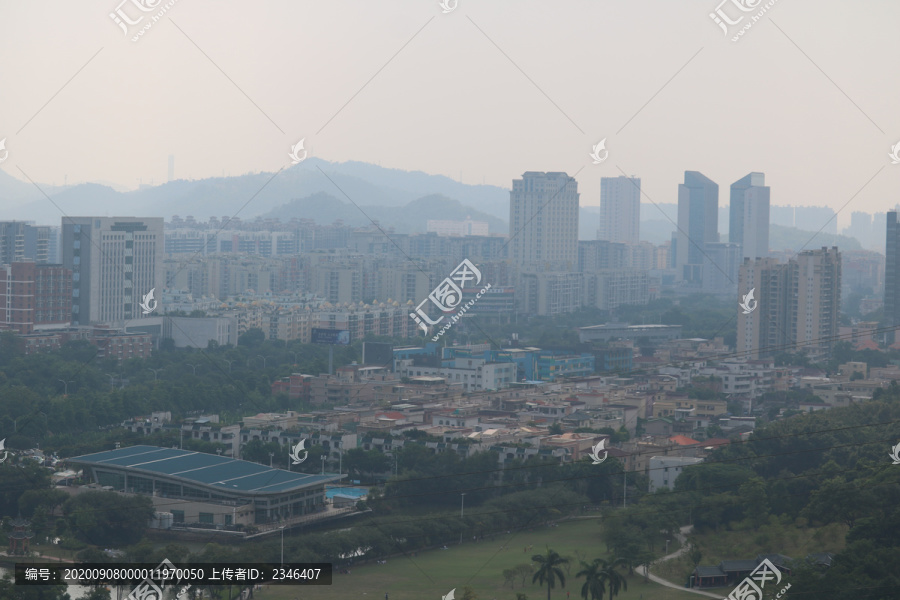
x,y
808,96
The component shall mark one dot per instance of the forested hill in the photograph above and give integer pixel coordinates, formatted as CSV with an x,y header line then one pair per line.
x,y
824,467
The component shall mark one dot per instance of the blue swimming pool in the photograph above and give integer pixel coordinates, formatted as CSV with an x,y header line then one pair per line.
x,y
356,492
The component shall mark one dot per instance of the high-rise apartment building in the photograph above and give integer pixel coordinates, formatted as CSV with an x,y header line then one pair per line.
x,y
796,305
721,262
767,329
892,277
543,222
21,241
860,227
818,300
698,224
115,262
34,297
620,209
748,223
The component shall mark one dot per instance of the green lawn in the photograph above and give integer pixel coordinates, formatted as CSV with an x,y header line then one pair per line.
x,y
432,574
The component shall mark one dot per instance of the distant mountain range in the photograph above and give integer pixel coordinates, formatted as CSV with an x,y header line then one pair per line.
x,y
257,194
354,192
325,208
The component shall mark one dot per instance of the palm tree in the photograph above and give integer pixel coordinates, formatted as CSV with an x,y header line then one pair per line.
x,y
598,575
548,569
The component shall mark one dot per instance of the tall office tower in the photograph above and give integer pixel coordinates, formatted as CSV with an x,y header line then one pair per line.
x,y
748,222
115,262
543,222
21,241
892,277
620,209
797,304
860,227
767,329
818,306
698,224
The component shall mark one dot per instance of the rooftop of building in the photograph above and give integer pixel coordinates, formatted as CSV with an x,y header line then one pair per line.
x,y
209,470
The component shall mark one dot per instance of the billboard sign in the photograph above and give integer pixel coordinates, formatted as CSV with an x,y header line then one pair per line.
x,y
340,337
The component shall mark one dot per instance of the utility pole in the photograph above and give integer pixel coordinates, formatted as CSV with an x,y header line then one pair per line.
x,y
624,488
462,503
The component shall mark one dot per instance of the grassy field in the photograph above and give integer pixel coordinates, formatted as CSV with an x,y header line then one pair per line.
x,y
432,574
791,540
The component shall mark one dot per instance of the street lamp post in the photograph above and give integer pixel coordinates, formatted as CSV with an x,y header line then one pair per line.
x,y
229,363
112,379
271,456
264,359
295,357
155,373
323,464
66,384
667,547
282,545
194,367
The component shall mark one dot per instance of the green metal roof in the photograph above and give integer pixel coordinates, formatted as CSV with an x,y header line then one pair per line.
x,y
209,470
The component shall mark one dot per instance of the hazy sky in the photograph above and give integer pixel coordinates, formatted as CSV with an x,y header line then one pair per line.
x,y
494,88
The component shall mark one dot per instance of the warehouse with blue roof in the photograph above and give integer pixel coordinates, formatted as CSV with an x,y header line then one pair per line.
x,y
206,488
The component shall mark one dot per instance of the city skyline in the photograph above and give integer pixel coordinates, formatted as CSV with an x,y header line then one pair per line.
x,y
360,116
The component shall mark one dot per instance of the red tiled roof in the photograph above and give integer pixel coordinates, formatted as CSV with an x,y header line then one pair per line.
x,y
683,440
391,415
868,345
717,442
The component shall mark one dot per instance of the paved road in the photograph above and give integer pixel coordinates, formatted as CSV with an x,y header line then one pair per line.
x,y
682,536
